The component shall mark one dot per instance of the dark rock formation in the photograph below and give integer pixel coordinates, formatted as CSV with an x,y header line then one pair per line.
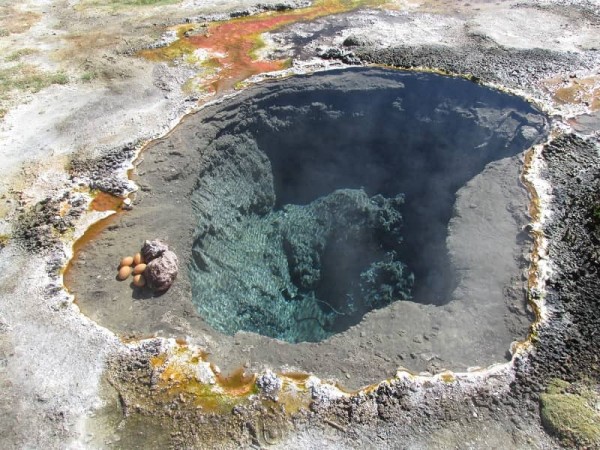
x,y
329,242
102,172
39,227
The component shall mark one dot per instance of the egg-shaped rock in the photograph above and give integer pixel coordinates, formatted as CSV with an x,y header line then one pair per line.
x,y
137,259
139,280
124,272
127,261
139,269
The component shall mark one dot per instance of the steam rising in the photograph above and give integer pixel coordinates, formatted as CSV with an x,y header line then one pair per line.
x,y
318,204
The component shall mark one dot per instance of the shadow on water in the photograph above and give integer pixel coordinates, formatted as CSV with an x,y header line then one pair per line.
x,y
341,190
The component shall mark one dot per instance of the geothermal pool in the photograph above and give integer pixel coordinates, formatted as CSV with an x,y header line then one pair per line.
x,y
368,215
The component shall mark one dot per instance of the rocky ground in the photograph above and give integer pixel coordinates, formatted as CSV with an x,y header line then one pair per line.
x,y
77,104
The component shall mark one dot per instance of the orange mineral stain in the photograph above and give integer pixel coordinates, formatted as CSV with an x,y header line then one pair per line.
x,y
106,202
238,383
233,43
102,202
576,90
90,235
177,383
299,378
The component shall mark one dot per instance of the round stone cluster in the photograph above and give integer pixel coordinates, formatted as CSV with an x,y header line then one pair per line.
x,y
155,266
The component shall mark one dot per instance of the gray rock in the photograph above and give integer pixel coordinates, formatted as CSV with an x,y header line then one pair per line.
x,y
270,384
162,271
356,41
153,249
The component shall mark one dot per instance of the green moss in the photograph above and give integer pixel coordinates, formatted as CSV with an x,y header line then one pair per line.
x,y
447,377
557,386
211,64
257,45
287,64
569,415
176,50
596,214
4,238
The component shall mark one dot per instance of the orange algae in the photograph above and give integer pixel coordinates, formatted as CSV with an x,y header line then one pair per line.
x,y
90,235
534,206
234,43
188,389
181,341
102,202
65,207
447,377
178,381
106,202
576,90
238,383
158,360
535,211
294,395
298,377
293,402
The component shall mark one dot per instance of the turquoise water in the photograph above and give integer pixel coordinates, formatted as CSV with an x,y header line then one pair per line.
x,y
321,198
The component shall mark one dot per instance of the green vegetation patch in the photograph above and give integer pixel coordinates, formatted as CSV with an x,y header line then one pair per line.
x,y
567,412
116,4
18,54
144,2
28,78
89,76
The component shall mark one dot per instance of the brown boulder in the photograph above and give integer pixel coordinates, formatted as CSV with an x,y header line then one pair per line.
x,y
153,249
162,271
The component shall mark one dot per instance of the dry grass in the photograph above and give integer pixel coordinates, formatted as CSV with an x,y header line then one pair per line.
x,y
14,21
18,54
24,78
144,2
28,78
118,4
